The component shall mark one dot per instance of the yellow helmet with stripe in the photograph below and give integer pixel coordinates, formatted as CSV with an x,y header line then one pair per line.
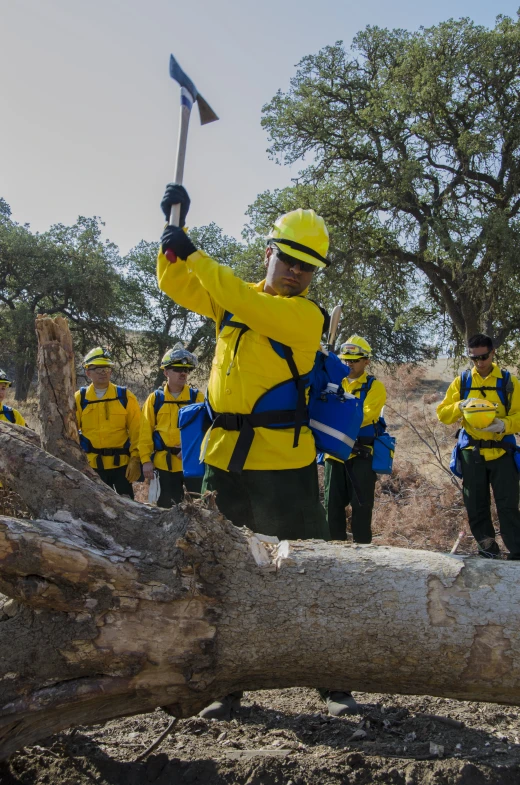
x,y
97,356
179,357
4,379
479,413
355,348
303,235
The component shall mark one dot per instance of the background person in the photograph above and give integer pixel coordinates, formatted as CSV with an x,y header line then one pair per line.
x,y
108,420
353,482
7,413
159,436
487,460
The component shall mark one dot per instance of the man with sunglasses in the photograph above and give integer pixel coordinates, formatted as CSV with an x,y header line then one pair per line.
x,y
353,482
487,457
159,436
262,466
108,420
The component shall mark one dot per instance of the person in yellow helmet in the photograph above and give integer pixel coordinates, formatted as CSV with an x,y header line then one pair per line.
x,y
7,413
486,457
108,420
262,467
159,436
353,482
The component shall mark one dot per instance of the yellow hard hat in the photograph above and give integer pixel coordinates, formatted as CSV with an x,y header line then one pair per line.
x,y
303,235
97,356
4,379
479,413
355,348
179,357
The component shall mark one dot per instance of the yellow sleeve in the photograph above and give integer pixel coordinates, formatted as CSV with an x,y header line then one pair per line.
x,y
183,286
448,410
291,320
146,430
374,402
18,419
200,397
512,420
133,417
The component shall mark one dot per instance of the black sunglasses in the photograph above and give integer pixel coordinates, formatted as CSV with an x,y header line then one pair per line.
x,y
477,357
290,261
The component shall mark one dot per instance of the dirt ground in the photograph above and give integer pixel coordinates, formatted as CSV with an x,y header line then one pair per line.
x,y
284,736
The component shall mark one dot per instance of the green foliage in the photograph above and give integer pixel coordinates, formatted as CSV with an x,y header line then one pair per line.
x,y
413,140
68,270
160,322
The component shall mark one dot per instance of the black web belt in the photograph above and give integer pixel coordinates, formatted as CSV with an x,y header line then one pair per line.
x,y
246,424
107,451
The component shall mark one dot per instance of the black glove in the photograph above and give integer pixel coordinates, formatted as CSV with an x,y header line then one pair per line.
x,y
175,194
176,240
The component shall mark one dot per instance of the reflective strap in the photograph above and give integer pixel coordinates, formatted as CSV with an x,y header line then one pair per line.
x,y
342,437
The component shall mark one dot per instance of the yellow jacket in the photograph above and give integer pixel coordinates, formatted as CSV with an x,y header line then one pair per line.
x,y
238,379
448,411
373,404
166,423
18,419
107,424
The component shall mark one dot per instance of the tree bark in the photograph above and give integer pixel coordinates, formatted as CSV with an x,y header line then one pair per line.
x,y
114,608
56,386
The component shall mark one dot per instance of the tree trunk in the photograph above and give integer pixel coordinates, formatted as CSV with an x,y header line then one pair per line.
x,y
116,608
56,386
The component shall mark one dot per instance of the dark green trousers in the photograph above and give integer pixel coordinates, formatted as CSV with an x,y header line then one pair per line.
x,y
172,487
339,492
502,476
283,503
116,479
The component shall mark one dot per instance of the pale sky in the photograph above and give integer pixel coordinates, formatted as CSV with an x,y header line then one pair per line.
x,y
89,113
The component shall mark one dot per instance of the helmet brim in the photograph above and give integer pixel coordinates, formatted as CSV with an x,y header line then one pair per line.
x,y
295,253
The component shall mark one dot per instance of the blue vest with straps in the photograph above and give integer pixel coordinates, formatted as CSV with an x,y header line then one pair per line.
x,y
368,432
284,405
8,414
158,441
86,444
504,389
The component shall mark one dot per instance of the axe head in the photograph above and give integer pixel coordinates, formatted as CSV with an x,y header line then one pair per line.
x,y
207,115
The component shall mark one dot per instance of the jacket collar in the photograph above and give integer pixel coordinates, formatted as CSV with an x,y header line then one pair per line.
x,y
495,371
184,395
110,392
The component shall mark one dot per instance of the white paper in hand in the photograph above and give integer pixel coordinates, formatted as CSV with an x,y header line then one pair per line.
x,y
155,489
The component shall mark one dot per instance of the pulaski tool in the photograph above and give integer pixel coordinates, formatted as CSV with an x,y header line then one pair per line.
x,y
189,94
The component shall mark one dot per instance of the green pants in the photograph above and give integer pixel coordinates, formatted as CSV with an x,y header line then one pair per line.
x,y
283,503
502,476
340,491
172,487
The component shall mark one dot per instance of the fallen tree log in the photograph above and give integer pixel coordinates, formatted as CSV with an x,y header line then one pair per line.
x,y
114,608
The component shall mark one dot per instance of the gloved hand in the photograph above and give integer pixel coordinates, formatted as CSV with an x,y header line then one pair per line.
x,y
148,469
176,240
175,194
133,470
497,426
463,404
